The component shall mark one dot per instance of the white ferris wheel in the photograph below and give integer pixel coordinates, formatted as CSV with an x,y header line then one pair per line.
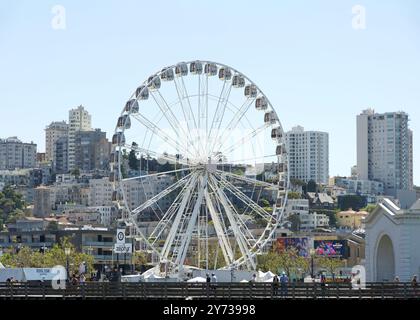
x,y
199,167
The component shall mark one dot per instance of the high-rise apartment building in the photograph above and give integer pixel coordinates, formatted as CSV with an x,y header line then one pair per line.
x,y
79,120
92,150
308,154
53,132
384,150
14,154
61,155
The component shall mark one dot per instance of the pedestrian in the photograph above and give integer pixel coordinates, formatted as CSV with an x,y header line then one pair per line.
x,y
254,278
275,285
213,278
208,279
74,280
82,279
323,280
283,282
414,281
397,279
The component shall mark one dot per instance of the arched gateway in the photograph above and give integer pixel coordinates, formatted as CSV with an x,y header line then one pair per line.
x,y
385,259
392,242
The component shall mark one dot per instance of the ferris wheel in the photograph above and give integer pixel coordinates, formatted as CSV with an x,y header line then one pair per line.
x,y
199,167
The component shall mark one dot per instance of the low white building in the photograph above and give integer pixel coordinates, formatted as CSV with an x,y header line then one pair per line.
x,y
308,220
392,242
314,220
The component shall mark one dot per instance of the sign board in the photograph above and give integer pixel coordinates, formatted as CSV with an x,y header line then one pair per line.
x,y
330,248
301,244
120,236
122,248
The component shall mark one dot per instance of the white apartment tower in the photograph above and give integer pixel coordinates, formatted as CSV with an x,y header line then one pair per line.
x,y
79,120
53,132
308,154
385,150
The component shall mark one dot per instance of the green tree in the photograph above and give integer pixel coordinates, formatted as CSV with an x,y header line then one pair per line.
x,y
296,222
294,195
27,258
311,186
297,182
133,162
351,201
52,226
75,172
139,259
11,205
369,208
331,264
264,202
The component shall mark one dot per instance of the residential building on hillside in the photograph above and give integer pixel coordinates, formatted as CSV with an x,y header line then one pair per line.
x,y
14,154
308,155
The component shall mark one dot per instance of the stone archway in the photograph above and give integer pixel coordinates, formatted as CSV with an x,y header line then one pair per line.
x,y
385,259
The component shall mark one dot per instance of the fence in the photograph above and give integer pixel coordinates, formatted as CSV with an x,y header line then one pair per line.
x,y
177,290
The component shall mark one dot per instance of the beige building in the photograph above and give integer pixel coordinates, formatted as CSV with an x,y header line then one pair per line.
x,y
351,219
53,132
79,120
42,202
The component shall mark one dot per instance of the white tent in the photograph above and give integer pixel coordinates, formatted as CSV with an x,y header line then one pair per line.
x,y
153,276
265,276
131,278
197,279
16,273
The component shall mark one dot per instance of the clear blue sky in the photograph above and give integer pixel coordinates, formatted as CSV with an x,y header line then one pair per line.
x,y
315,68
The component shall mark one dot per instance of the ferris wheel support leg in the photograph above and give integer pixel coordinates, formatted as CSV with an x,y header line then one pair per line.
x,y
173,231
191,223
238,235
224,243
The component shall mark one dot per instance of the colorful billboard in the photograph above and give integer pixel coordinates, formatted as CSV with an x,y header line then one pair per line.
x,y
330,248
302,245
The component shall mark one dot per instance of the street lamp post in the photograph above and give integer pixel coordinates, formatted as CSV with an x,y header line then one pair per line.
x,y
67,251
312,253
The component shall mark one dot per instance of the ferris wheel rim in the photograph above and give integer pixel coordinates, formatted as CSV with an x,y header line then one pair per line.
x,y
272,229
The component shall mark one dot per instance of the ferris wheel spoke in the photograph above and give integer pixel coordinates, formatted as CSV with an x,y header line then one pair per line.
x,y
160,195
219,114
157,174
237,118
249,238
161,134
243,140
187,97
158,155
240,237
186,110
166,220
221,234
186,236
171,238
245,199
248,180
172,119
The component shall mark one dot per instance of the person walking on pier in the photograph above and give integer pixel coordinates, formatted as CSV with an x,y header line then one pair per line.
x,y
284,280
275,285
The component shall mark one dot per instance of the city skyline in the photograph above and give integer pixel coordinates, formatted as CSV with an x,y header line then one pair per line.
x,y
324,68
